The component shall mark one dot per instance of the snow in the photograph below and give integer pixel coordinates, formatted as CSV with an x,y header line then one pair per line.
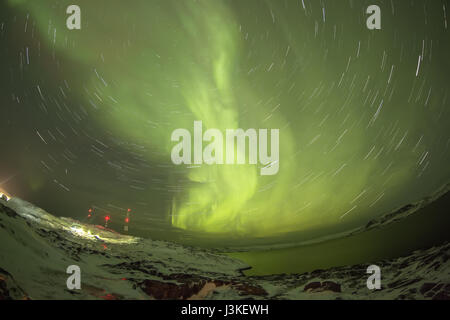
x,y
37,248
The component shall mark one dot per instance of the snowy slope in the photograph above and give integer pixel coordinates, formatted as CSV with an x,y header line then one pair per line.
x,y
36,249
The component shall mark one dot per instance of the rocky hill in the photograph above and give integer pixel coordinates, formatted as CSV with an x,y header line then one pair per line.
x,y
37,248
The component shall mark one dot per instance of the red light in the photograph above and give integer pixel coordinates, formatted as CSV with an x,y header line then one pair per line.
x,y
129,210
90,210
127,220
107,218
89,215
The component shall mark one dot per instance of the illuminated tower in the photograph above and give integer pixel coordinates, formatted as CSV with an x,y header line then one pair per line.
x,y
90,213
107,218
127,220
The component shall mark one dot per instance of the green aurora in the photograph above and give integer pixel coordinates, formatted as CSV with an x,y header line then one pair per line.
x,y
363,115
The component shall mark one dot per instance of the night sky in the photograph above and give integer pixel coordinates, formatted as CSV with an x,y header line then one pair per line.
x,y
87,115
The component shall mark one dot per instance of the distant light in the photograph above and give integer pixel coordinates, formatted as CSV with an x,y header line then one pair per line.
x,y
107,218
90,210
127,220
3,195
129,210
89,215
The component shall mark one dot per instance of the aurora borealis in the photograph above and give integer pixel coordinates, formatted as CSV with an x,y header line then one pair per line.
x,y
87,114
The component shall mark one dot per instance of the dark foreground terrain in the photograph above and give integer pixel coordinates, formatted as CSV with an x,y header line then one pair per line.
x,y
37,248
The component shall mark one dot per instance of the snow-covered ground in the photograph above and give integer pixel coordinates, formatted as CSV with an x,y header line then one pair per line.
x,y
37,248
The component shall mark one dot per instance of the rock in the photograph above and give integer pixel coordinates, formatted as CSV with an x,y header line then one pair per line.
x,y
9,290
427,287
331,286
443,295
312,286
167,290
322,287
247,289
190,289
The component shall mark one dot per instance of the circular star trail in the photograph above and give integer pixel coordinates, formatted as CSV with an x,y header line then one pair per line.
x,y
87,114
